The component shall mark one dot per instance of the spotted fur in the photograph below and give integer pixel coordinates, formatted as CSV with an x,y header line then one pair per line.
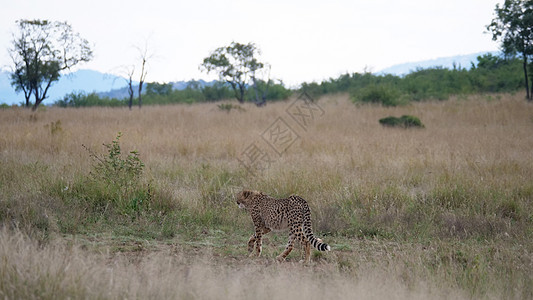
x,y
279,214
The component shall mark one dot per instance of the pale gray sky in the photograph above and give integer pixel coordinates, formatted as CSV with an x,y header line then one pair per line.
x,y
302,40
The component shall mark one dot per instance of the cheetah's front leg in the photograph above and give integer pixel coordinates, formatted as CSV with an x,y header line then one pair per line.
x,y
256,239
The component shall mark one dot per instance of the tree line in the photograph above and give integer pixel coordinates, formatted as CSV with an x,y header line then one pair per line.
x,y
163,93
490,74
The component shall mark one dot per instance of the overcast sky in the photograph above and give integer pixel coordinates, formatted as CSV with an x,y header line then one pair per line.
x,y
302,40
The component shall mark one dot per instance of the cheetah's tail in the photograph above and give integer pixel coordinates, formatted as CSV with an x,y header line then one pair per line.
x,y
318,244
308,232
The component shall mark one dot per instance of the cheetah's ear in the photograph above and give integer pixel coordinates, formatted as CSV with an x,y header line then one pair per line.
x,y
247,193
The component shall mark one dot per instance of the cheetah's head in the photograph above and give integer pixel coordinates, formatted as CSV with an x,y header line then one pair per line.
x,y
244,197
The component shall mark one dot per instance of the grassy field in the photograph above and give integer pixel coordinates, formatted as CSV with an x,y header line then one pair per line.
x,y
440,212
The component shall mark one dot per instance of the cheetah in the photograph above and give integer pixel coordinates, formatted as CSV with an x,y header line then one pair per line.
x,y
279,214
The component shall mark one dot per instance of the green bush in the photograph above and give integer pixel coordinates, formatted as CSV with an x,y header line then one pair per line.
x,y
380,94
217,91
116,180
278,91
82,99
115,169
404,121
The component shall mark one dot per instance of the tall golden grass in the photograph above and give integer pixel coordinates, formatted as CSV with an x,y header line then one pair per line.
x,y
440,212
478,139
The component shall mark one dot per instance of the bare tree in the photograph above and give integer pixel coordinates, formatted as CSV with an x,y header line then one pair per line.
x,y
131,71
144,57
127,73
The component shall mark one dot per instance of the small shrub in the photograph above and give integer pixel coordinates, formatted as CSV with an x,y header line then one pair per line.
x,y
404,121
117,179
115,169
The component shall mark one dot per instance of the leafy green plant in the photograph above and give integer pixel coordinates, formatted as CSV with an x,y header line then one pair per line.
x,y
116,169
118,177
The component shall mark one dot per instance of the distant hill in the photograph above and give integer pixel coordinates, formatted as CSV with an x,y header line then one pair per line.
x,y
463,61
82,80
7,94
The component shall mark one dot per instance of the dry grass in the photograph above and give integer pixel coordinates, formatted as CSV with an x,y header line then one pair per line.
x,y
440,212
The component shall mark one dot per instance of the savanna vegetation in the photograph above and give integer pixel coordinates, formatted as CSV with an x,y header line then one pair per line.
x,y
104,202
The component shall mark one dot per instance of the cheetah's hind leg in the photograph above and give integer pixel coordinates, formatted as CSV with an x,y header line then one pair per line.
x,y
306,245
251,244
287,250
